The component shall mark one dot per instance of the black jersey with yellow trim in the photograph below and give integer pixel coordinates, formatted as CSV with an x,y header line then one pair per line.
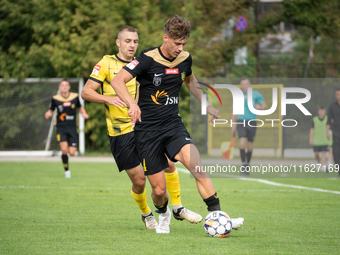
x,y
66,108
160,80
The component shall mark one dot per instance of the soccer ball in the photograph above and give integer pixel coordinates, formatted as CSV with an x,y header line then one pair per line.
x,y
217,224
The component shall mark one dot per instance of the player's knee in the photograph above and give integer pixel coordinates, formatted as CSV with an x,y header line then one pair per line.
x,y
159,191
139,183
72,153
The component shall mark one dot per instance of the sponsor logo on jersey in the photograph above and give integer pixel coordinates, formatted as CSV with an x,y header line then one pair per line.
x,y
62,116
169,100
158,95
171,71
183,76
70,117
96,70
60,108
67,104
132,64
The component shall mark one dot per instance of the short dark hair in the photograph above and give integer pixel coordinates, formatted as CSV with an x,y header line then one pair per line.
x,y
177,28
244,78
65,80
128,28
338,89
321,107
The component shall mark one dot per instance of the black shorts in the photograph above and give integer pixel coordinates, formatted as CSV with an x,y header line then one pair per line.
x,y
246,130
321,148
153,145
124,151
68,134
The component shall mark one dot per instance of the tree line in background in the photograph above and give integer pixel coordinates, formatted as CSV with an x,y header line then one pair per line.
x,y
66,38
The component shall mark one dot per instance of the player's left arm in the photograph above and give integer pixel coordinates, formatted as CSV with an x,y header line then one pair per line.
x,y
83,112
193,86
260,103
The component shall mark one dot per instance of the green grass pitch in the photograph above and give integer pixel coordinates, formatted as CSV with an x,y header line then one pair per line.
x,y
41,212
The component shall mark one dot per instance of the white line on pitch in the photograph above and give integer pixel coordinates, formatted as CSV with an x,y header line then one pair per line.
x,y
182,170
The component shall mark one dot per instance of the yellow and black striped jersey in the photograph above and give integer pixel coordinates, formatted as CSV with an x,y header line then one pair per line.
x,y
117,119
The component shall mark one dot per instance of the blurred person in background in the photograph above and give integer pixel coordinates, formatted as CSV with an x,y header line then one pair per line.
x,y
334,122
66,103
246,133
318,138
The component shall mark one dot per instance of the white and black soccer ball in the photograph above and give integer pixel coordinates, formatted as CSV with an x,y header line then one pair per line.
x,y
217,224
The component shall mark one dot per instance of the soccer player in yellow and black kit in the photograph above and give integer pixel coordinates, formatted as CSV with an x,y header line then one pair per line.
x,y
160,130
120,129
66,103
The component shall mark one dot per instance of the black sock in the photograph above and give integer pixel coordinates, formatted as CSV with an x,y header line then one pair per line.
x,y
249,155
163,208
64,158
213,203
243,155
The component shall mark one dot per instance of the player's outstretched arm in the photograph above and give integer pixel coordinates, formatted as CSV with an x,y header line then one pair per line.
x,y
193,86
119,85
48,114
90,93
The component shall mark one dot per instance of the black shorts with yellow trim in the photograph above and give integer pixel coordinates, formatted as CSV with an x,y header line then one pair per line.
x,y
124,151
68,134
153,145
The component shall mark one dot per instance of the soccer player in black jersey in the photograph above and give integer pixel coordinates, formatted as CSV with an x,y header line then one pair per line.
x,y
66,103
120,129
159,129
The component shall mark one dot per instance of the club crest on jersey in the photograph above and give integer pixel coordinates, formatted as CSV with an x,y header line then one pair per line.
x,y
183,76
157,80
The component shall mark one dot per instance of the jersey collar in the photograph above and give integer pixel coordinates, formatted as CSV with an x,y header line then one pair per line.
x,y
121,60
168,59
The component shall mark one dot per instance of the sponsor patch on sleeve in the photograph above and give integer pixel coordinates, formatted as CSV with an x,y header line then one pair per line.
x,y
96,70
132,64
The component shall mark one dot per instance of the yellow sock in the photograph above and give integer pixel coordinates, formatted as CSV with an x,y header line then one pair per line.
x,y
141,201
173,187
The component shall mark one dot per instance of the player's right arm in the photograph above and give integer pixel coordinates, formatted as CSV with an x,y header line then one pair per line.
x,y
51,108
48,114
90,93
